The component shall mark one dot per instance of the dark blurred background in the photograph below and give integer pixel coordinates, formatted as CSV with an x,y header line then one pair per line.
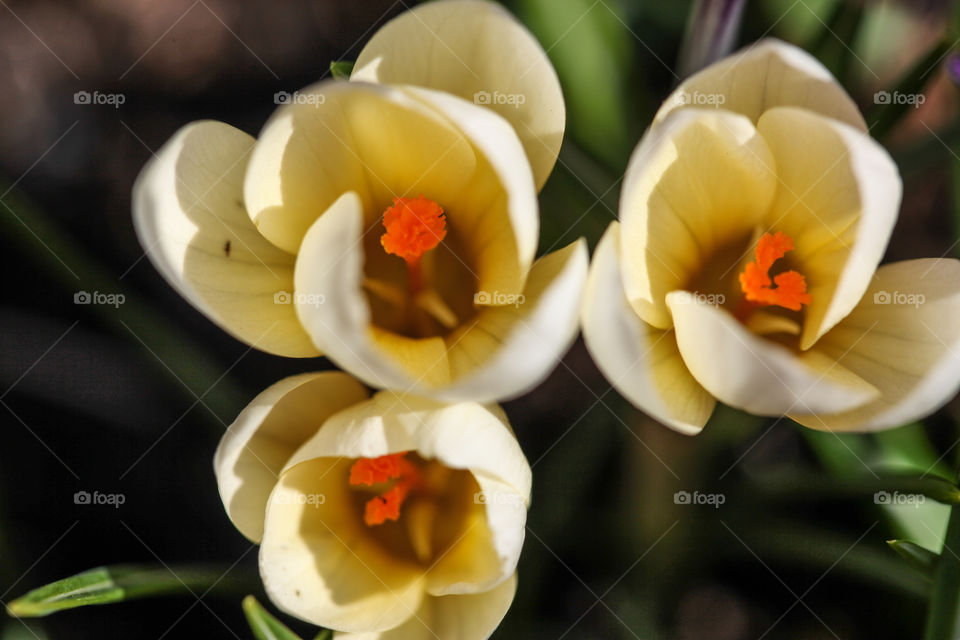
x,y
133,399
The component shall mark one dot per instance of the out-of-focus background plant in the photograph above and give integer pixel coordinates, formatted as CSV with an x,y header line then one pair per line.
x,y
114,389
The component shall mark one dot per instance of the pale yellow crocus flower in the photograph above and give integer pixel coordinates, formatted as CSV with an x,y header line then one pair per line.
x,y
389,517
744,267
390,222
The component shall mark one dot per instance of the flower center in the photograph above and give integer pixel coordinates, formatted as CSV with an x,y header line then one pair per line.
x,y
388,468
790,291
413,227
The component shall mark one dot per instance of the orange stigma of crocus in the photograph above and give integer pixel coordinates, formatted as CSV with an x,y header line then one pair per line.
x,y
371,471
413,227
791,286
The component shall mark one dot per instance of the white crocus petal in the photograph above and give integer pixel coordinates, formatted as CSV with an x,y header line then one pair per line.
x,y
838,196
641,362
488,551
498,144
464,435
456,617
467,436
696,183
267,432
510,349
478,51
904,339
319,562
751,373
189,215
541,327
767,74
330,264
335,137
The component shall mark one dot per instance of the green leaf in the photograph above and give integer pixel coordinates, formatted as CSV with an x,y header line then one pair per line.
x,y
919,557
591,48
943,615
325,634
341,69
105,585
264,625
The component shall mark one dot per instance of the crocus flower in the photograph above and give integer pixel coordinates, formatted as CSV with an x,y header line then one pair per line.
x,y
389,222
388,517
744,266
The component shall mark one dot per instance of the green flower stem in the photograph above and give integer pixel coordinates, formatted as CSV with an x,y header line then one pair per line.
x,y
943,615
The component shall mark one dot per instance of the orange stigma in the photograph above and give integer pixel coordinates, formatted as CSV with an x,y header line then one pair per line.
x,y
413,227
371,471
791,286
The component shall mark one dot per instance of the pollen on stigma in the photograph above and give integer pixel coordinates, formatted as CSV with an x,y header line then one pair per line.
x,y
413,227
373,471
755,282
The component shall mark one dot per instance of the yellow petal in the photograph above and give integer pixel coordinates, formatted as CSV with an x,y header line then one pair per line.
x,y
904,339
696,183
838,196
335,137
320,563
764,75
501,353
641,362
498,214
509,349
478,51
757,375
456,617
266,434
331,264
464,435
189,215
486,553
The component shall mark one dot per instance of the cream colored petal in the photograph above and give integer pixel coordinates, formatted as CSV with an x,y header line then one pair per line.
x,y
478,51
334,137
540,328
267,432
767,74
516,212
904,339
320,563
382,142
189,215
331,265
754,374
838,196
458,617
463,435
641,362
488,551
507,350
697,183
